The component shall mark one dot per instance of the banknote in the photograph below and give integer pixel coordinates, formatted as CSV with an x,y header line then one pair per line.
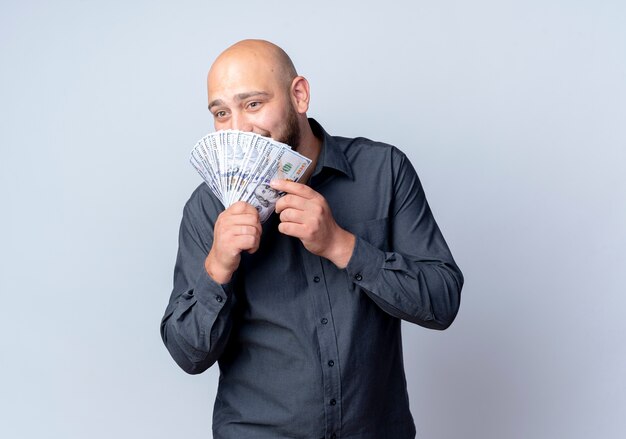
x,y
239,165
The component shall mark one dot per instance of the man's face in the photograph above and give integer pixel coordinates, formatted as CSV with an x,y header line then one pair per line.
x,y
247,94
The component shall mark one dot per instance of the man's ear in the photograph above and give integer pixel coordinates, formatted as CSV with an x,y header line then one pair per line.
x,y
300,94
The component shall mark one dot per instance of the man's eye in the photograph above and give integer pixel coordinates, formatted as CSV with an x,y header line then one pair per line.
x,y
254,104
220,113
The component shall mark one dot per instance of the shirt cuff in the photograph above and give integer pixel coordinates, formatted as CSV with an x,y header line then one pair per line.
x,y
211,294
365,264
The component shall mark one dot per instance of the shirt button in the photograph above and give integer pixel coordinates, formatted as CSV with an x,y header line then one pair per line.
x,y
219,299
333,402
316,279
358,277
331,363
324,321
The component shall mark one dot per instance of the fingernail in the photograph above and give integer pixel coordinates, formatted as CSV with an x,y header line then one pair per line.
x,y
274,183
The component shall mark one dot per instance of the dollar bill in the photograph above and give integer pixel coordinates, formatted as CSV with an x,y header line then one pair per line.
x,y
238,166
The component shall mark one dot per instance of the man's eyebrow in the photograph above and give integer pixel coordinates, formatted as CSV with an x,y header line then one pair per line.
x,y
215,102
240,97
243,96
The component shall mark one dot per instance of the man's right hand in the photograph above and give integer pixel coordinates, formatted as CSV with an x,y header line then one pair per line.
x,y
237,229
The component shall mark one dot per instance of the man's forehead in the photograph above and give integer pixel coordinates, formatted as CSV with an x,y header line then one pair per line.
x,y
240,80
244,69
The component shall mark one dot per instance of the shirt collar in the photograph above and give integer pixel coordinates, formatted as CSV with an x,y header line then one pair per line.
x,y
331,154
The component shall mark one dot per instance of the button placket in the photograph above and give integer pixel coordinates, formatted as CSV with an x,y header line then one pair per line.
x,y
327,339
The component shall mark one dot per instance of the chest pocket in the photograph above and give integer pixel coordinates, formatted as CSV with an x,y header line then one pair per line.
x,y
375,231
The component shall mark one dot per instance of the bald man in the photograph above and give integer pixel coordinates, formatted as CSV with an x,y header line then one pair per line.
x,y
303,312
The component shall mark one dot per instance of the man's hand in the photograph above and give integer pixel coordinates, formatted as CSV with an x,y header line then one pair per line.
x,y
237,229
305,214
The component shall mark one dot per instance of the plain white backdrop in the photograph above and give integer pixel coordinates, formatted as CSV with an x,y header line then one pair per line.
x,y
512,112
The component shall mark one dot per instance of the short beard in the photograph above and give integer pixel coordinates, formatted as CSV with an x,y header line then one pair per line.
x,y
292,134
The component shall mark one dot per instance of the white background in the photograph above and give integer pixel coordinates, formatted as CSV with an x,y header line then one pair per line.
x,y
513,113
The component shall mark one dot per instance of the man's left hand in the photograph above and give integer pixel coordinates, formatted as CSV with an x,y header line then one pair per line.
x,y
305,214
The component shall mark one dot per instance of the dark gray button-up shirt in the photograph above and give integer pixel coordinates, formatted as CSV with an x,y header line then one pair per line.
x,y
307,350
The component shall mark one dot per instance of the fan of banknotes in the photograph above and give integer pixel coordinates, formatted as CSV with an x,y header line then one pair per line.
x,y
238,166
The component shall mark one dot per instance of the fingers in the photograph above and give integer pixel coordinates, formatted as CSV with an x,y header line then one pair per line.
x,y
249,243
291,187
241,207
237,217
293,216
292,229
240,223
236,229
291,201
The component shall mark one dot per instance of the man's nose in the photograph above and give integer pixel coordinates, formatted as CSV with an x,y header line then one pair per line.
x,y
240,122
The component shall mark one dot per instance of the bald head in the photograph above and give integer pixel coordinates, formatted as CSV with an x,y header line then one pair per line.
x,y
253,86
258,57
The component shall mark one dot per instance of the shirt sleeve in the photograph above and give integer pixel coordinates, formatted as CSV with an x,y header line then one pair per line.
x,y
197,320
417,280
